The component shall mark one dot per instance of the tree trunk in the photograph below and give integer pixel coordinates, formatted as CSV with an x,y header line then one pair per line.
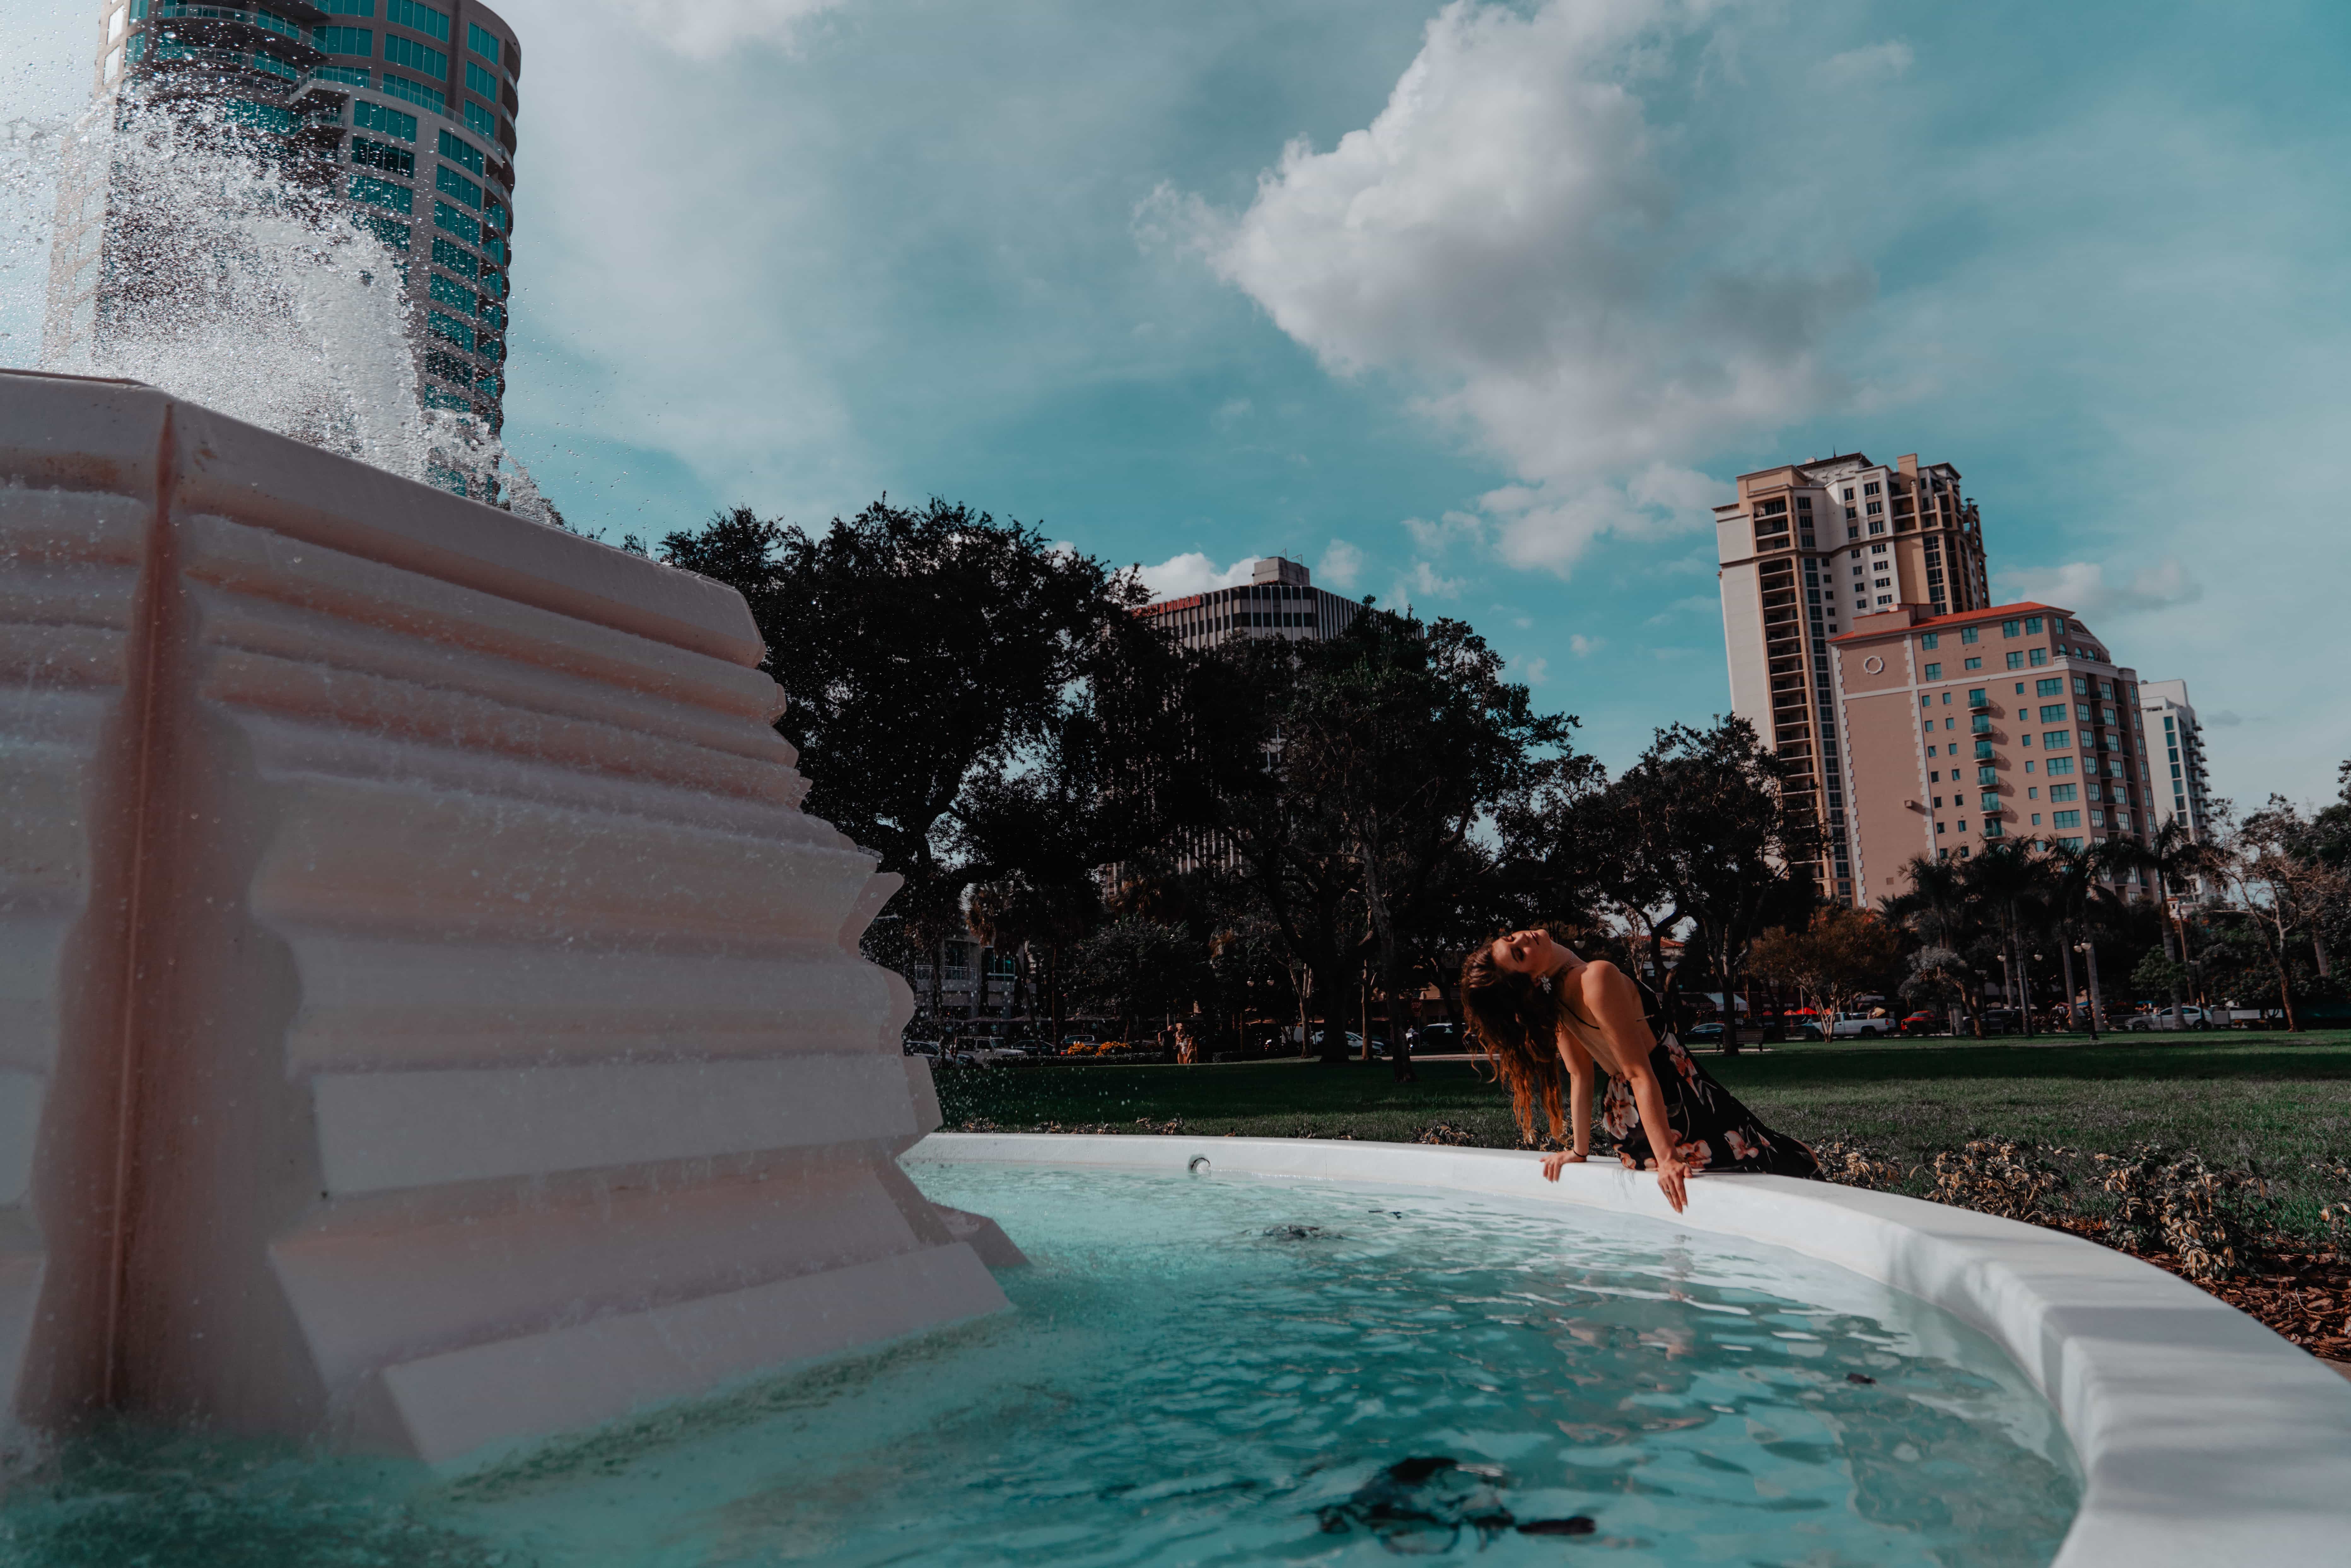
x,y
2024,983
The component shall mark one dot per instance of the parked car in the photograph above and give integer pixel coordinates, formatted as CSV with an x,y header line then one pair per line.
x,y
1862,1026
2167,1018
1702,1034
1436,1037
1921,1023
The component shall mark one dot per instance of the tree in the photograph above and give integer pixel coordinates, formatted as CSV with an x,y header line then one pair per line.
x,y
1140,972
1702,824
2177,858
2012,881
2287,888
1841,954
920,651
1941,912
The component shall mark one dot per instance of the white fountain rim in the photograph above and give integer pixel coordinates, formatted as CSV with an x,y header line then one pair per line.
x,y
2203,1437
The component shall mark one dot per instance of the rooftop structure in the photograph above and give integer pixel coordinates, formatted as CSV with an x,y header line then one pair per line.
x,y
1805,550
1279,600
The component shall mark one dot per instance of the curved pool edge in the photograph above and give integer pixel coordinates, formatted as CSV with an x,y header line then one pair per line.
x,y
2203,1437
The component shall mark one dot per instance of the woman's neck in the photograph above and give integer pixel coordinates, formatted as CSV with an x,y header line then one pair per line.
x,y
1568,965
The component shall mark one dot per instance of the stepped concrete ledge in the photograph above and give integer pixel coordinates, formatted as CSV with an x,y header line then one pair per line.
x,y
428,1019
2203,1437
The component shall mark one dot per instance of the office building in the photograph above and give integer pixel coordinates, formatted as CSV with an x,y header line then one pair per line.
x,y
401,113
2176,747
1279,600
1805,550
1960,730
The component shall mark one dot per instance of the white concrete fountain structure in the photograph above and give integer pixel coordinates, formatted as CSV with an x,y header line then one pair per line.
x,y
2204,1439
428,1019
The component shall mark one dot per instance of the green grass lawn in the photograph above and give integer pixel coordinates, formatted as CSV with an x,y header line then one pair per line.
x,y
2280,1102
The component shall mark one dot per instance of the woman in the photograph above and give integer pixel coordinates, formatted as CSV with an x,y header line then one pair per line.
x,y
1534,1007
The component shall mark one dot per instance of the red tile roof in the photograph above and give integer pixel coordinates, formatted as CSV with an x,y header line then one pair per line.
x,y
1968,617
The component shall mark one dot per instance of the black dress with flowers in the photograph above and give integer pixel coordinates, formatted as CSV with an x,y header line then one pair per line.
x,y
1712,1131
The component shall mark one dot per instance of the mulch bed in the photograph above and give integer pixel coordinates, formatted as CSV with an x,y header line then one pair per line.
x,y
2303,1296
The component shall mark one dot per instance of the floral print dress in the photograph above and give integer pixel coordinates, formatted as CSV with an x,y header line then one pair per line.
x,y
1712,1130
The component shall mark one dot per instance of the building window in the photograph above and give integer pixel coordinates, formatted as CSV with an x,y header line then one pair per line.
x,y
419,57
450,182
395,234
382,155
416,92
2065,818
1934,673
2060,765
381,193
458,149
1969,634
2016,661
1869,489
451,293
483,42
2049,687
350,76
1876,524
383,119
481,122
1975,664
456,223
356,41
454,331
455,257
2064,791
2033,625
481,81
424,18
2039,657
347,7
1932,640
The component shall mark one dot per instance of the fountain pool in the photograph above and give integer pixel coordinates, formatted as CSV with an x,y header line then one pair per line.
x,y
1230,1369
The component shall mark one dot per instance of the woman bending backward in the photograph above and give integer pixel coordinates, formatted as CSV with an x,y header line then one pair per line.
x,y
1536,1008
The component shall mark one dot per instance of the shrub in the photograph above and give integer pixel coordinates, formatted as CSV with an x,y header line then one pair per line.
x,y
1999,1176
1853,1165
2179,1204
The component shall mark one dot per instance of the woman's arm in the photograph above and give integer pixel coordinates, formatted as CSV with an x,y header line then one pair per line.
x,y
1580,1074
1615,1005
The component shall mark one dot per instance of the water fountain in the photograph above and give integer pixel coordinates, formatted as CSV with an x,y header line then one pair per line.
x,y
433,1022
433,1028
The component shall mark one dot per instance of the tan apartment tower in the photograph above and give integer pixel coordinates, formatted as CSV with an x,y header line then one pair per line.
x,y
1805,550
1961,730
400,112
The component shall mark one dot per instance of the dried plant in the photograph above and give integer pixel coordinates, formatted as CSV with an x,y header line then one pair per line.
x,y
2177,1203
1445,1132
1999,1176
1856,1164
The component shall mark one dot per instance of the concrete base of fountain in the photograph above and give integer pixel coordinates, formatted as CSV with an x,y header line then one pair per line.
x,y
430,1021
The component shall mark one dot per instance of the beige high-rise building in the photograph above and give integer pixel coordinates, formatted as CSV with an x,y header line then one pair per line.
x,y
1961,730
1805,550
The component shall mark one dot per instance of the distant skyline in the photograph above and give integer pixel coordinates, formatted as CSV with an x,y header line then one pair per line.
x,y
1479,306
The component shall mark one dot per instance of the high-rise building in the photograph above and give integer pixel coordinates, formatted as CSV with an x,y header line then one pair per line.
x,y
2170,721
1279,600
1959,730
400,112
1805,550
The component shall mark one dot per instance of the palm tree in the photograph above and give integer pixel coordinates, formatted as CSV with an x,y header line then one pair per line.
x,y
1939,910
2075,875
2011,878
2177,858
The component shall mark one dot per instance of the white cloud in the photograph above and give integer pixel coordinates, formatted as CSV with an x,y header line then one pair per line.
x,y
1583,647
1194,572
2081,586
1505,233
1533,671
709,29
1696,604
1425,581
1342,566
1871,62
1232,412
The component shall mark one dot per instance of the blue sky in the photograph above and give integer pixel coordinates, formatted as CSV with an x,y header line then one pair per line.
x,y
1479,306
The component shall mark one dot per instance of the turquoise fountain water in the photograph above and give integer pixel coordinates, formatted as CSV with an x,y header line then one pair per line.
x,y
1224,1370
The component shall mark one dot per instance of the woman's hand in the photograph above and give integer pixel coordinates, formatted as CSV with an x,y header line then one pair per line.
x,y
1673,1180
1553,1164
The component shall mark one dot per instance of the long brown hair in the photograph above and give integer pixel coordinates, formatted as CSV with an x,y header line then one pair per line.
x,y
1515,1022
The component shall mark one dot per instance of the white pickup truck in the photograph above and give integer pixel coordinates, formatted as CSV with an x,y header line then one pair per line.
x,y
1863,1026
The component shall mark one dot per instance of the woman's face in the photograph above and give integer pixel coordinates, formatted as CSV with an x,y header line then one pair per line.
x,y
1528,953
